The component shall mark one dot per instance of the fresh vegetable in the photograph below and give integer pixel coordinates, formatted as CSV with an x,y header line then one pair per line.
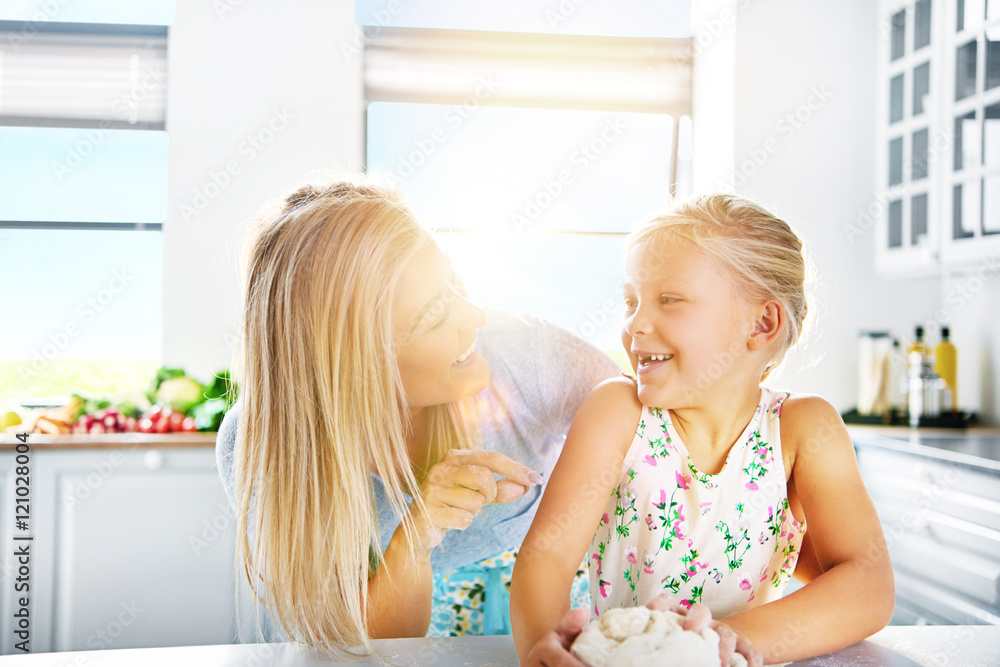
x,y
9,419
106,420
165,419
181,393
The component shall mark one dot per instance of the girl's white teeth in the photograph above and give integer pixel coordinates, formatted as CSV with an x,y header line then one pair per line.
x,y
465,355
658,357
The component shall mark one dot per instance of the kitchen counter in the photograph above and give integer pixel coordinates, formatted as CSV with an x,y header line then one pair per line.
x,y
9,441
978,446
900,646
937,493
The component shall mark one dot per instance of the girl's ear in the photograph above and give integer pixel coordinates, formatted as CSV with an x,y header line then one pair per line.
x,y
767,324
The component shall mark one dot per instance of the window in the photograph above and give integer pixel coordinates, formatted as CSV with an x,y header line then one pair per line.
x,y
83,181
532,155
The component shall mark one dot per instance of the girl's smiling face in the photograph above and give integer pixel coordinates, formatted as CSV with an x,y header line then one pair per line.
x,y
686,325
438,360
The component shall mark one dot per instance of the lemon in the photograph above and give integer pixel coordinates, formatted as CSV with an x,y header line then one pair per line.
x,y
9,419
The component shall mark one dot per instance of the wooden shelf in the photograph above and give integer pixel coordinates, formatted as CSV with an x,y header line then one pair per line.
x,y
8,441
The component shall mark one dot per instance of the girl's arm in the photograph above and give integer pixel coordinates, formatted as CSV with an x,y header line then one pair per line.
x,y
570,510
852,594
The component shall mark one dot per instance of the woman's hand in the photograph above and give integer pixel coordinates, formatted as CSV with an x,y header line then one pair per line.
x,y
459,485
698,618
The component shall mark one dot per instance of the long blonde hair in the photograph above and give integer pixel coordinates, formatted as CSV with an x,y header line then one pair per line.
x,y
762,253
323,406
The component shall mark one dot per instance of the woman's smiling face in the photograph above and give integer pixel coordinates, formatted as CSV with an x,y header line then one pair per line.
x,y
438,360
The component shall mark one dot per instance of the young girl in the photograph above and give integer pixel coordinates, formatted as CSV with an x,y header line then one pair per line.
x,y
695,480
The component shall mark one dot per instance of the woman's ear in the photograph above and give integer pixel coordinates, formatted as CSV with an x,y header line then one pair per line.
x,y
768,324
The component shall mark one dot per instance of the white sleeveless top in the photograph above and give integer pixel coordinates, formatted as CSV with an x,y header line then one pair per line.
x,y
727,540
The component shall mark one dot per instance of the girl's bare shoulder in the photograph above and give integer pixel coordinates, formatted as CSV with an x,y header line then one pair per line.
x,y
609,414
810,423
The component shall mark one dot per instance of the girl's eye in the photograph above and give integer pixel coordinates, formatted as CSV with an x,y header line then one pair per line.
x,y
629,303
667,300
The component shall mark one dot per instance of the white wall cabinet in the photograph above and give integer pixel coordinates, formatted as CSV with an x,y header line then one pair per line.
x,y
132,548
938,154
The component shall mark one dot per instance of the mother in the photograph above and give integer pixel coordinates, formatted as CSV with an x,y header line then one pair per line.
x,y
372,419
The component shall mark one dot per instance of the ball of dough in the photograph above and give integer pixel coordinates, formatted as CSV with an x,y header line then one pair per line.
x,y
639,636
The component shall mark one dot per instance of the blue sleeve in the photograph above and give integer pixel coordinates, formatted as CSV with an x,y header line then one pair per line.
x,y
568,369
225,444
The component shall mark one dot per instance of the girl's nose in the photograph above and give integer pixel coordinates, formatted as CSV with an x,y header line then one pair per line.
x,y
637,324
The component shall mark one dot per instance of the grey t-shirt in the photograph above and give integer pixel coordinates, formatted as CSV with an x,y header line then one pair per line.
x,y
540,375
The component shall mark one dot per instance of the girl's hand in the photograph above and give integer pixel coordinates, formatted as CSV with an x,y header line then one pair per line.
x,y
552,650
459,485
698,618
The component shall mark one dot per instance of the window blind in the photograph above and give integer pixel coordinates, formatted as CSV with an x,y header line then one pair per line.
x,y
83,77
643,75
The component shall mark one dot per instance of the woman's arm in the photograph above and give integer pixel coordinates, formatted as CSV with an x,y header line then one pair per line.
x,y
453,493
399,593
570,510
852,595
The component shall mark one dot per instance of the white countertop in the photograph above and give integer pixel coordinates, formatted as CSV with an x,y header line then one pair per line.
x,y
897,646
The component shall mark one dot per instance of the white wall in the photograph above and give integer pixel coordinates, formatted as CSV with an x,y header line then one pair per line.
x,y
816,171
229,73
973,306
282,73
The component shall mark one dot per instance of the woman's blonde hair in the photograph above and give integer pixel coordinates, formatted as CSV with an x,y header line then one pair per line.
x,y
761,251
323,406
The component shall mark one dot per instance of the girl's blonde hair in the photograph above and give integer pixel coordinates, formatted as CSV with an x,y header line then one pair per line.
x,y
323,406
761,251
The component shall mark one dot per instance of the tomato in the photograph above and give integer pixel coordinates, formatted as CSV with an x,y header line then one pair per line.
x,y
166,411
145,425
176,420
188,425
154,413
162,426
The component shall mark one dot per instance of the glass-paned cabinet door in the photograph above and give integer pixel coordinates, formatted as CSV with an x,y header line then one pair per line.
x,y
972,60
908,207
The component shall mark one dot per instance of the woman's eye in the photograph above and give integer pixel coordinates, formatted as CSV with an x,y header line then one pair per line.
x,y
667,300
442,321
629,303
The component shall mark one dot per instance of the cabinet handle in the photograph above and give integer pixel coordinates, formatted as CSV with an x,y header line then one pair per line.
x,y
153,459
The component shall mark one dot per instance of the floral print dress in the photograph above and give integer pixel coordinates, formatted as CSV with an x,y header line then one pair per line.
x,y
727,540
475,599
